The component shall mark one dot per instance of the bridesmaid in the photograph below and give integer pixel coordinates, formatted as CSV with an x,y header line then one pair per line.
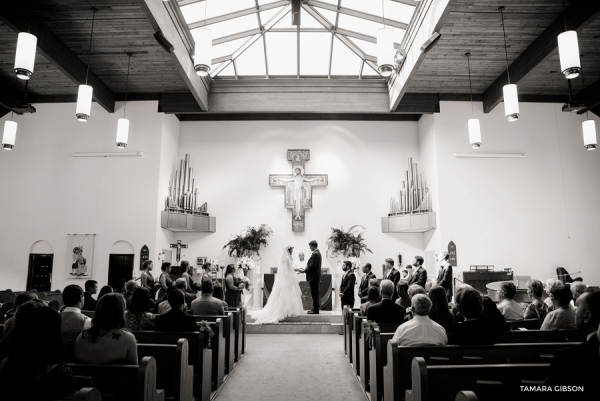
x,y
147,279
234,288
165,279
185,269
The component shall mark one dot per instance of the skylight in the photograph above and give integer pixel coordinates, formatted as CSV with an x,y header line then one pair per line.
x,y
256,38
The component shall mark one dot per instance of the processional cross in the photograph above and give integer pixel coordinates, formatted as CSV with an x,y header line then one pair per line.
x,y
178,245
298,186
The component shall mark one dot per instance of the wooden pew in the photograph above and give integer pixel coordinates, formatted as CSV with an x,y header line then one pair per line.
x,y
376,357
348,323
494,382
357,336
123,382
200,355
89,313
86,394
54,296
529,324
397,374
466,396
539,336
239,324
174,374
228,334
1,330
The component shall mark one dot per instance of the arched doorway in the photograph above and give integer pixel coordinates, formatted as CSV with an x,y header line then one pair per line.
x,y
41,259
120,264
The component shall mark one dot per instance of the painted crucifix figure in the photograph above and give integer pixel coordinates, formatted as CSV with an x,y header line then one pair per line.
x,y
298,186
178,245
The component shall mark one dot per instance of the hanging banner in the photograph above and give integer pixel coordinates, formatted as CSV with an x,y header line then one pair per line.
x,y
452,253
81,248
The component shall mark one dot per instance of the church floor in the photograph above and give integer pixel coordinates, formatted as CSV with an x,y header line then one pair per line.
x,y
293,367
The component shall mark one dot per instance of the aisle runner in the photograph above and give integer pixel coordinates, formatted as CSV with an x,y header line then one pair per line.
x,y
293,367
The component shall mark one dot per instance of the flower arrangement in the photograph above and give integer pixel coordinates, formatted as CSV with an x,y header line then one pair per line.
x,y
204,326
247,244
347,243
355,261
246,263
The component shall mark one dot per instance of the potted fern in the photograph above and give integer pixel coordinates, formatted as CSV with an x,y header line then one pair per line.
x,y
246,245
348,244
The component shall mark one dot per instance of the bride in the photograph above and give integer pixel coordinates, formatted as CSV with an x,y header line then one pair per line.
x,y
286,298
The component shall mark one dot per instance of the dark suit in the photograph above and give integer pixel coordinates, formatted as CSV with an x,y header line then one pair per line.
x,y
444,279
175,320
393,275
363,288
418,277
313,276
386,311
89,303
347,289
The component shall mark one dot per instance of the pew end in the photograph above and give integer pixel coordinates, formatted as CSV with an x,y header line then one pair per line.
x,y
466,396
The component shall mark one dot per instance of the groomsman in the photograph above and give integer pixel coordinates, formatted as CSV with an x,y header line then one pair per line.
x,y
392,275
363,288
419,274
347,285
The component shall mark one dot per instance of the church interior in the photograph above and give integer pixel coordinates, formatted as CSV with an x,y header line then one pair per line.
x,y
441,144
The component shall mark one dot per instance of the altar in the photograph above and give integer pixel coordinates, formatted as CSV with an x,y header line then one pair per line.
x,y
325,291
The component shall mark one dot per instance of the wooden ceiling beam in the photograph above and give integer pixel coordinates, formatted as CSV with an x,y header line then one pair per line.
x,y
357,14
55,51
166,18
589,97
578,15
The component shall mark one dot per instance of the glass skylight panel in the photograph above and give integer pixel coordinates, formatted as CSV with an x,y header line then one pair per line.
x,y
227,48
263,2
217,8
228,71
265,16
367,47
334,2
282,53
329,15
193,12
307,21
252,61
369,72
345,61
235,25
367,27
213,68
393,10
285,22
314,53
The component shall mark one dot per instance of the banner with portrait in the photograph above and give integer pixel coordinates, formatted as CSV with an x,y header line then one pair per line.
x,y
81,256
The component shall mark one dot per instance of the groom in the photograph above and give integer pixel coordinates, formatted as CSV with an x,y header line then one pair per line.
x,y
313,276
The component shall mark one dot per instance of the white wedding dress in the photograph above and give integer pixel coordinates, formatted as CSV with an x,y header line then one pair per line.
x,y
286,298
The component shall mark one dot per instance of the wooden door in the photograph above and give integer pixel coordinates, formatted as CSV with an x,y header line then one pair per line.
x,y
119,267
39,276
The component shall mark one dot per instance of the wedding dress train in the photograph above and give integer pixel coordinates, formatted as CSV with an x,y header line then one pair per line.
x,y
286,298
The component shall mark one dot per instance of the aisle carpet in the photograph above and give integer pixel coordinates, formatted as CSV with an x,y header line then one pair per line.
x,y
293,367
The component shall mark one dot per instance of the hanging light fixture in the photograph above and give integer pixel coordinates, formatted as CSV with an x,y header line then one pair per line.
x,y
588,126
25,56
10,134
123,123
202,48
511,97
385,45
474,128
568,51
84,95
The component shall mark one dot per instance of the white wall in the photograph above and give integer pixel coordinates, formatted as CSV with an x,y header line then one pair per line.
x,y
511,212
364,160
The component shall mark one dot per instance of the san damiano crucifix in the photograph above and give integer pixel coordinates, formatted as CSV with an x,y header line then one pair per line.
x,y
298,186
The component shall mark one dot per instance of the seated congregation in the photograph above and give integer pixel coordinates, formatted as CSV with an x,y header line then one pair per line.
x,y
168,339
406,343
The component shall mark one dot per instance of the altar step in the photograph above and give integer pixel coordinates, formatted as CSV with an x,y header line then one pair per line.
x,y
304,324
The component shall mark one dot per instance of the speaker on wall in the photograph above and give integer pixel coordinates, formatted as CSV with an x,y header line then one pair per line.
x,y
399,260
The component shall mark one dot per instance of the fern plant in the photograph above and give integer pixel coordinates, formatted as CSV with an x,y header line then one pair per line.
x,y
249,243
346,243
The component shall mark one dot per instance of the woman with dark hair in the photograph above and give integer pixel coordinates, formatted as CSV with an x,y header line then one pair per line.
x,y
107,289
403,298
563,316
164,279
138,316
34,368
537,309
477,328
106,341
192,287
440,311
373,297
494,315
233,287
147,279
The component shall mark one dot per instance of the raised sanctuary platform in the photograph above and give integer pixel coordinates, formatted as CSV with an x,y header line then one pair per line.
x,y
323,323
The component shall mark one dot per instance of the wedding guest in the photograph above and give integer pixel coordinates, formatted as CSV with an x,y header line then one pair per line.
x,y
181,284
537,309
563,316
509,308
107,289
374,283
175,319
91,288
420,330
147,279
405,275
403,297
164,279
19,300
234,288
386,311
363,288
34,369
393,275
163,303
120,286
477,328
444,278
373,297
137,315
491,311
106,341
347,285
419,274
129,288
185,273
412,291
206,304
73,321
577,288
440,311
551,282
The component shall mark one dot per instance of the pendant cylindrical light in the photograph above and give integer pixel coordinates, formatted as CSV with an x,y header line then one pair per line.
x,y
202,51
568,51
25,56
589,134
474,133
122,133
385,52
10,135
511,102
84,102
